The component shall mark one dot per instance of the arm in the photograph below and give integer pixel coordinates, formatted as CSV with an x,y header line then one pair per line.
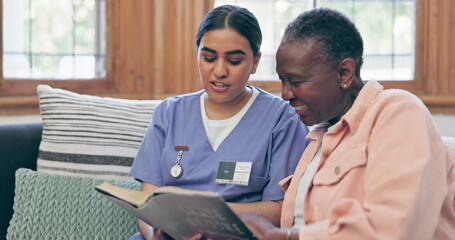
x,y
271,210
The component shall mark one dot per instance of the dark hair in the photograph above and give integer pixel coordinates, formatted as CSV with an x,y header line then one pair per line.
x,y
236,18
337,36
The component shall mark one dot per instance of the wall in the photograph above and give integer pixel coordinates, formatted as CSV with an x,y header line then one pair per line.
x,y
445,124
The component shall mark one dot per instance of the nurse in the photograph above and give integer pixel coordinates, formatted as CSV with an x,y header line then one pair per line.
x,y
200,140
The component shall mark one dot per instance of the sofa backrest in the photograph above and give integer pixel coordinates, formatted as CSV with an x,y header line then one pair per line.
x,y
450,143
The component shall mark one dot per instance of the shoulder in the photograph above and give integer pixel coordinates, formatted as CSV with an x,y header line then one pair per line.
x,y
397,98
394,104
273,108
184,100
176,106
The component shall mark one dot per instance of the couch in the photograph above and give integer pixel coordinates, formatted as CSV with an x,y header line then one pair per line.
x,y
19,144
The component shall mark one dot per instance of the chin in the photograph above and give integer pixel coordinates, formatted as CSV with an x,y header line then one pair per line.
x,y
307,121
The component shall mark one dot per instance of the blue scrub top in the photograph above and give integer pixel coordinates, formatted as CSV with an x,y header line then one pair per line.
x,y
270,135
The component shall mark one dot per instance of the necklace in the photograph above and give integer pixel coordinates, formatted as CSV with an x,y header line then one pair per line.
x,y
176,169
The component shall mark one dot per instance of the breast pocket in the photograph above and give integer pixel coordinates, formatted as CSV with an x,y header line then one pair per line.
x,y
336,169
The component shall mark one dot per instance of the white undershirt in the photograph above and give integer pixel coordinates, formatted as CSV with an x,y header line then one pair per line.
x,y
218,130
302,189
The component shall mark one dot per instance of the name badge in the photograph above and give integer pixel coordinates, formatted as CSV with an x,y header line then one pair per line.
x,y
230,172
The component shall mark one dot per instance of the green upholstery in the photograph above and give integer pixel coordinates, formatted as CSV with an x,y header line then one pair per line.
x,y
62,207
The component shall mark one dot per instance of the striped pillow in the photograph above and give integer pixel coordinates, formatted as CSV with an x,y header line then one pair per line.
x,y
90,136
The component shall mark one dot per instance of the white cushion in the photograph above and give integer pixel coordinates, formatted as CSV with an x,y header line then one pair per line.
x,y
90,136
450,143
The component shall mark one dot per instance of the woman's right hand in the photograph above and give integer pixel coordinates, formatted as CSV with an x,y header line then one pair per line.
x,y
261,228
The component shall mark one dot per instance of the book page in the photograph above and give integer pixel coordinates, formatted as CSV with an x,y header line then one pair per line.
x,y
138,198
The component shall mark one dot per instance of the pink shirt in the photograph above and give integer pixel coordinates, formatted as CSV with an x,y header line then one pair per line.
x,y
384,174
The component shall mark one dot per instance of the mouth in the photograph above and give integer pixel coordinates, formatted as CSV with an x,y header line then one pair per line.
x,y
300,110
219,86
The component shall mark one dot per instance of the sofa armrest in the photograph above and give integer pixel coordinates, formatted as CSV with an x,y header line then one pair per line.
x,y
19,145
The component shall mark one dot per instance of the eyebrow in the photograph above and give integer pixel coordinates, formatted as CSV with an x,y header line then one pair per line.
x,y
237,51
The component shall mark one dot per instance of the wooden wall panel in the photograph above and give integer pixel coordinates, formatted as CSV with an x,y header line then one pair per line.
x,y
444,47
181,74
432,46
451,50
158,54
158,65
135,46
438,40
435,54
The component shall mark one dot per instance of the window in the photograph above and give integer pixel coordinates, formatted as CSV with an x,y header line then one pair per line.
x,y
388,31
64,40
148,51
387,28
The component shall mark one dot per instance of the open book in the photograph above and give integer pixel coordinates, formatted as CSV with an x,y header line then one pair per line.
x,y
179,212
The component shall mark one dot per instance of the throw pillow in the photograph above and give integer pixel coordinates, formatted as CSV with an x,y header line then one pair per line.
x,y
58,207
90,136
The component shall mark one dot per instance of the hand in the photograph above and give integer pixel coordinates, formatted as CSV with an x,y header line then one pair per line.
x,y
199,237
159,234
262,228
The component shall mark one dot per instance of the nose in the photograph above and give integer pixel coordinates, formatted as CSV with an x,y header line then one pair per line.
x,y
287,92
221,69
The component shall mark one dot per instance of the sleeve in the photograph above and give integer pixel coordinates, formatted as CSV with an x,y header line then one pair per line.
x,y
405,180
286,146
146,166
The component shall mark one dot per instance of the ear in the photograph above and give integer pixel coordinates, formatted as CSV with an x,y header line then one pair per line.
x,y
346,72
256,62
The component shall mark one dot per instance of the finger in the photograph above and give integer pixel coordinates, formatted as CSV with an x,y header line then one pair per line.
x,y
196,237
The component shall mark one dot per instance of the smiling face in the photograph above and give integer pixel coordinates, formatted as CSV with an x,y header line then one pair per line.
x,y
225,61
311,86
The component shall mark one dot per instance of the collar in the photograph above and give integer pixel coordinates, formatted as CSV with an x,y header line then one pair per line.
x,y
366,97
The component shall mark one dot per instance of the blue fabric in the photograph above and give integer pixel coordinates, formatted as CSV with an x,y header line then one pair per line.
x,y
136,236
270,135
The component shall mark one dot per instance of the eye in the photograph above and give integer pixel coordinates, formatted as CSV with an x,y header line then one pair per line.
x,y
207,59
287,81
235,62
296,84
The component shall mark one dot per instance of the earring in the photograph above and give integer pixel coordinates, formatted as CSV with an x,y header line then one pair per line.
x,y
344,86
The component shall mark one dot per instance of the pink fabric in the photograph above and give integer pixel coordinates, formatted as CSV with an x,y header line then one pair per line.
x,y
384,174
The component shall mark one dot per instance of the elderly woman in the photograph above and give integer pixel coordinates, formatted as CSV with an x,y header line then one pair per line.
x,y
376,167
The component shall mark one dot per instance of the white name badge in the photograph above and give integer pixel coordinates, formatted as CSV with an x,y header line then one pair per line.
x,y
230,172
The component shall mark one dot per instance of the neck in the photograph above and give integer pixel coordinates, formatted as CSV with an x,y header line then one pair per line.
x,y
352,93
224,110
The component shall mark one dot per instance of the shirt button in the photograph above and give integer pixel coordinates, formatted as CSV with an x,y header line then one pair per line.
x,y
337,170
326,153
341,125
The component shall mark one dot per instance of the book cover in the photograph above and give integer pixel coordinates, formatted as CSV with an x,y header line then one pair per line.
x,y
179,212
